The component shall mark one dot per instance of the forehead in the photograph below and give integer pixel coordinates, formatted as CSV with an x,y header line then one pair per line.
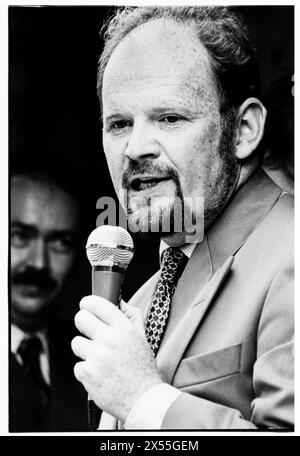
x,y
160,53
44,206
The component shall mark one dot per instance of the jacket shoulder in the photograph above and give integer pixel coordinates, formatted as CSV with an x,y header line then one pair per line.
x,y
277,228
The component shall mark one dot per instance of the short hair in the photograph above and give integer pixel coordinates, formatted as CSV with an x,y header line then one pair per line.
x,y
220,29
46,172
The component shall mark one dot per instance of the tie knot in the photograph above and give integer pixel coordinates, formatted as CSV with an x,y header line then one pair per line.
x,y
30,348
173,262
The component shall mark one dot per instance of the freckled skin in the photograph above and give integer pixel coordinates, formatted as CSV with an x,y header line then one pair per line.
x,y
160,69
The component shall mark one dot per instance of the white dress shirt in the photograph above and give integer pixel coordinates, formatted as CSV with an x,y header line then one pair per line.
x,y
16,337
187,249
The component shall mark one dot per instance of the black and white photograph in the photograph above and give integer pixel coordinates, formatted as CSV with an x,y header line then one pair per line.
x,y
150,228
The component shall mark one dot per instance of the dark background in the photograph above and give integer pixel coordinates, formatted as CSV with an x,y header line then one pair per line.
x,y
54,110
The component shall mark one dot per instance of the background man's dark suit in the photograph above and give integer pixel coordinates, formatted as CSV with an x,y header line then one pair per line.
x,y
68,398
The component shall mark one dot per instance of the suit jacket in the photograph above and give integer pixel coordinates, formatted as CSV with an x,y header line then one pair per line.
x,y
228,342
68,409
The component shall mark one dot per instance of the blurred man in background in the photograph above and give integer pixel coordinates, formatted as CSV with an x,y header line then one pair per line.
x,y
45,233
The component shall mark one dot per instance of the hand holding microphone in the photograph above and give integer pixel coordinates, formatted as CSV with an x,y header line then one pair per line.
x,y
118,365
109,250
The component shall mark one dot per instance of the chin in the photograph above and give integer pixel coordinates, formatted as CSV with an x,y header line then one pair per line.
x,y
32,305
31,320
152,216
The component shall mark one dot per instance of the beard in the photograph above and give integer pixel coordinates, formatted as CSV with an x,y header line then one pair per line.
x,y
154,215
163,216
226,182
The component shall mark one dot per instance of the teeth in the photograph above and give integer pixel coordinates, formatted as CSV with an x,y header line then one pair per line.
x,y
144,185
139,184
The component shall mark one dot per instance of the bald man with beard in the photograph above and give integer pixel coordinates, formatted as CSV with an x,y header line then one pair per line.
x,y
182,118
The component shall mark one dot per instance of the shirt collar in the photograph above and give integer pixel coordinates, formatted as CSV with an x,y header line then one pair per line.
x,y
17,335
187,249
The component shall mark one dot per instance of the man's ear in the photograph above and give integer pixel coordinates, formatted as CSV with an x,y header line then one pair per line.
x,y
250,127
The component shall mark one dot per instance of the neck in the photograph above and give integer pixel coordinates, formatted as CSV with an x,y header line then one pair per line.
x,y
245,171
175,239
28,324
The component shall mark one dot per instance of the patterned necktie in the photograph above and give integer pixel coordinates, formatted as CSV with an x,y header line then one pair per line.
x,y
29,351
173,263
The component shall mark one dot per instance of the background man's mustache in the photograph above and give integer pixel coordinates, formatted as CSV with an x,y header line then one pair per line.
x,y
147,167
31,276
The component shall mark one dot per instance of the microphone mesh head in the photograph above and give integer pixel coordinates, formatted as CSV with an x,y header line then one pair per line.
x,y
109,246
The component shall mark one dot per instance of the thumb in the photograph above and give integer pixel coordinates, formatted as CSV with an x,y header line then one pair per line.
x,y
134,314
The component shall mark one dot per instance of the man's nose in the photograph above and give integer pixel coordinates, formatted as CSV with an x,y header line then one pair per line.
x,y
38,255
143,143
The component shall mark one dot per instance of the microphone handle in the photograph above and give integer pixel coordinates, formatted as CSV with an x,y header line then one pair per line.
x,y
107,283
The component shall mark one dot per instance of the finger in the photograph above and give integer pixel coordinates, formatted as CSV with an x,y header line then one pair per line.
x,y
134,315
103,309
81,347
89,325
127,309
80,371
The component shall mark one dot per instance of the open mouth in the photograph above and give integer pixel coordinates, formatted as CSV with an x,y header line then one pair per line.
x,y
144,183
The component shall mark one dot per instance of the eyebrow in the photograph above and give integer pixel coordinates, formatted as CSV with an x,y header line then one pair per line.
x,y
24,226
160,109
172,106
114,116
34,230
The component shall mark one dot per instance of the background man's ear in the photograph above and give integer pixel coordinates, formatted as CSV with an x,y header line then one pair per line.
x,y
250,127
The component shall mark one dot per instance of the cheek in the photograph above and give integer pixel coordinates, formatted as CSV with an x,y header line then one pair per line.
x,y
205,148
17,258
197,158
60,266
115,160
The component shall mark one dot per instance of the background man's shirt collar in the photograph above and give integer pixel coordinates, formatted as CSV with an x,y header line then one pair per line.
x,y
16,337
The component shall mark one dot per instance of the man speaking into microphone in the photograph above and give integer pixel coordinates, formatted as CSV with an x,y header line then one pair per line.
x,y
206,343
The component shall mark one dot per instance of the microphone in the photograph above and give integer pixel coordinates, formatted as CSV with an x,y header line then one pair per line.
x,y
109,250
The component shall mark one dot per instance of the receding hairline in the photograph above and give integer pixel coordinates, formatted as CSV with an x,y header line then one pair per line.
x,y
190,30
222,31
44,182
189,24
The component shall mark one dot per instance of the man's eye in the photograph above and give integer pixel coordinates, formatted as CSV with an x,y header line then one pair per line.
x,y
62,245
120,124
19,239
170,118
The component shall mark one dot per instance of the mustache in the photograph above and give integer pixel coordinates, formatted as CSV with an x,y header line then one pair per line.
x,y
32,276
148,167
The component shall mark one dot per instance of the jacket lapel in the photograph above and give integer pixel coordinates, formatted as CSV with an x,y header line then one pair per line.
x,y
195,276
143,297
171,353
207,268
244,212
